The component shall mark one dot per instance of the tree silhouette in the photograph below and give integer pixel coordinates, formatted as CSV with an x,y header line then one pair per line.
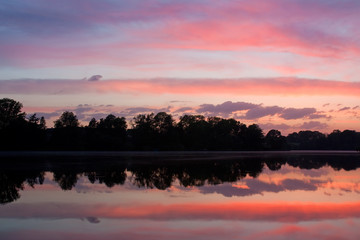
x,y
110,177
309,140
67,135
93,123
9,187
254,138
163,122
195,131
66,179
155,132
34,119
109,133
67,120
274,140
36,122
16,131
166,133
347,140
10,112
112,121
225,134
42,123
12,182
143,133
187,120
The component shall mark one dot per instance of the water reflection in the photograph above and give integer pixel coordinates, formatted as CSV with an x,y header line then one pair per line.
x,y
202,196
161,171
12,182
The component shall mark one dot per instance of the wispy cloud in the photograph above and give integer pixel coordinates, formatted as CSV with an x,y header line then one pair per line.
x,y
344,109
255,111
242,86
314,125
216,27
293,113
281,212
225,108
280,126
262,111
255,186
127,34
143,110
94,78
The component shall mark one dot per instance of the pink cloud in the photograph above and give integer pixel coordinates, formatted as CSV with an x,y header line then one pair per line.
x,y
139,231
327,231
261,111
276,26
229,230
265,31
288,70
281,126
344,109
295,113
225,108
254,186
314,125
184,109
280,212
244,86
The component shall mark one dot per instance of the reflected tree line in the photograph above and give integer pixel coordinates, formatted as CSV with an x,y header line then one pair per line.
x,y
147,172
155,132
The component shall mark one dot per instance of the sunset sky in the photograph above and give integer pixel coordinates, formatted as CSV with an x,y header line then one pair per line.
x,y
285,64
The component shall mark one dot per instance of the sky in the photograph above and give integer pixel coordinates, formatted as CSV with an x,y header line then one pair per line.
x,y
284,64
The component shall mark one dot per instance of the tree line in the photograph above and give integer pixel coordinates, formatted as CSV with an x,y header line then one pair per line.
x,y
155,132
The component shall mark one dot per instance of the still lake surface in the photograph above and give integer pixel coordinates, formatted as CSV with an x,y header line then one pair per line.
x,y
179,195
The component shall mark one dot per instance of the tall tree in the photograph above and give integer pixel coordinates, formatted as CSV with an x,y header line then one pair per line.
x,y
93,123
10,111
254,138
111,121
34,119
42,123
274,140
196,132
143,133
307,140
163,122
67,120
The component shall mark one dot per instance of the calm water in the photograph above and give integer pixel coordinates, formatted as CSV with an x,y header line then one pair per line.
x,y
222,195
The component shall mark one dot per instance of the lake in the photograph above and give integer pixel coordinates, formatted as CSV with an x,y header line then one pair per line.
x,y
180,195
